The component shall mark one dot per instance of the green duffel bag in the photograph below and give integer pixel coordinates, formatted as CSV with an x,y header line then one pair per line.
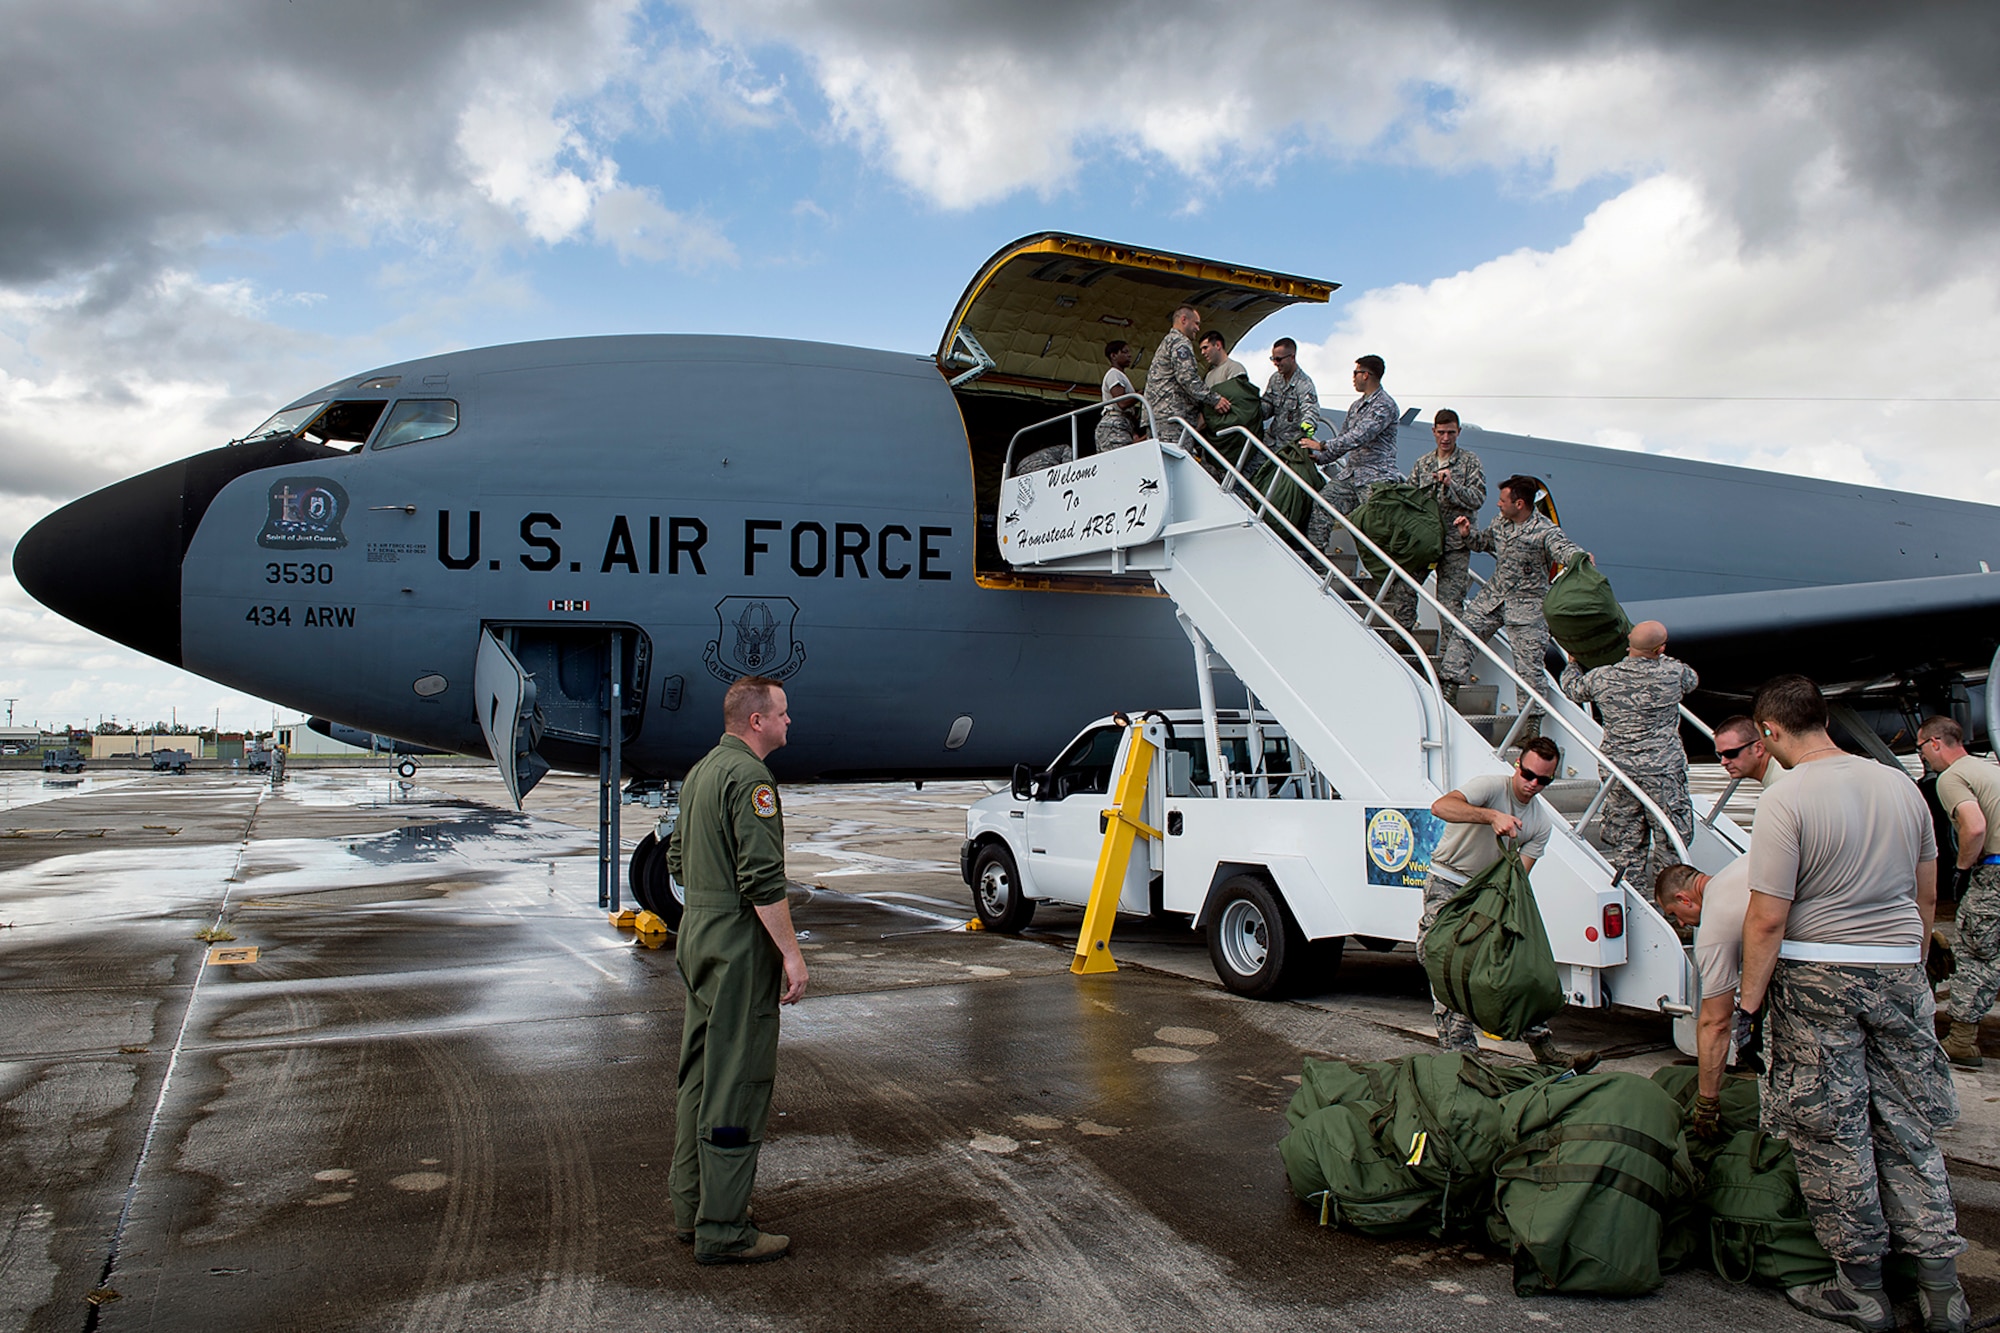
x,y
1289,490
1446,1123
1757,1225
1487,953
1595,1163
1404,521
1366,1085
1584,617
1246,409
1334,1160
1739,1097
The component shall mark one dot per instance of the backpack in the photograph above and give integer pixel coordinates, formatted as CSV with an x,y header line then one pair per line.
x,y
1595,1162
1487,953
1584,616
1404,521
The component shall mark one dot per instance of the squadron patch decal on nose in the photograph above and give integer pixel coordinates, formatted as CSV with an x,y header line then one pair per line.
x,y
753,637
305,514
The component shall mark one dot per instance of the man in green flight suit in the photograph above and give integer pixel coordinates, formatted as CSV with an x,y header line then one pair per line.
x,y
741,960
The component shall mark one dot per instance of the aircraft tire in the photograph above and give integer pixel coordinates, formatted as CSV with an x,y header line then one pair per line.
x,y
652,887
1374,944
996,891
1252,941
407,768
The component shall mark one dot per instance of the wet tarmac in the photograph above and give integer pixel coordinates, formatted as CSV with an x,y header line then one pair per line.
x,y
408,1077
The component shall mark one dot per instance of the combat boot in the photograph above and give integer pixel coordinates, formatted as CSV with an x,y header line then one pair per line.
x,y
760,1251
1961,1045
1852,1296
1551,1056
1940,1298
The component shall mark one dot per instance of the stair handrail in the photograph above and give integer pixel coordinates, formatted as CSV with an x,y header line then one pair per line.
x,y
1265,511
1479,645
1007,463
1689,716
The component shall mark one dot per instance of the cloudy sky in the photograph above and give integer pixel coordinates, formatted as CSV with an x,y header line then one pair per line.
x,y
1762,234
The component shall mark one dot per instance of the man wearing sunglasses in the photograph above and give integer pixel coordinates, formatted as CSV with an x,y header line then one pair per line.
x,y
1742,752
1478,814
1969,790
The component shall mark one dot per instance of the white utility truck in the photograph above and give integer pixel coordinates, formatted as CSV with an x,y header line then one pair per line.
x,y
1276,868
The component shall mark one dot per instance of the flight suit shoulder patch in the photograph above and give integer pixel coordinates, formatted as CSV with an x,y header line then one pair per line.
x,y
764,800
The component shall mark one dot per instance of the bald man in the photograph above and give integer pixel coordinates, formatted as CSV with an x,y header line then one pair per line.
x,y
1638,699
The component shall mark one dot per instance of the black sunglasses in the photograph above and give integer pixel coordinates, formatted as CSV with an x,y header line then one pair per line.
x,y
1721,753
1529,775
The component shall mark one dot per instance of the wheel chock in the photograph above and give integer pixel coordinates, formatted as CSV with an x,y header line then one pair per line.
x,y
975,924
650,923
624,920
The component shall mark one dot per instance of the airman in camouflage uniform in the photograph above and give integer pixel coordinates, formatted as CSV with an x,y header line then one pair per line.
x,y
1639,700
1968,789
1843,882
1524,545
1455,479
1173,379
1365,447
1290,398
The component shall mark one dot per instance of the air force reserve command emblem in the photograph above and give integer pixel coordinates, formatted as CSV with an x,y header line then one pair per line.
x,y
305,515
753,637
765,801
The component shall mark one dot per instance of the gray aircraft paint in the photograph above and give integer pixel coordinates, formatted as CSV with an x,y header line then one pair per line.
x,y
674,483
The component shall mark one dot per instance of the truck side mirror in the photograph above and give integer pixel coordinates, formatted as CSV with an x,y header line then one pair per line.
x,y
1024,783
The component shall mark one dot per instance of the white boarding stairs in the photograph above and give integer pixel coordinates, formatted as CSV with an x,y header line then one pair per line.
x,y
1310,646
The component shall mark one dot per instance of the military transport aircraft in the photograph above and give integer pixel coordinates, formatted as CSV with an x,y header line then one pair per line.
x,y
479,551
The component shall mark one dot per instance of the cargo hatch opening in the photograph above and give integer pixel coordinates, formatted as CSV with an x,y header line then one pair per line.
x,y
1026,344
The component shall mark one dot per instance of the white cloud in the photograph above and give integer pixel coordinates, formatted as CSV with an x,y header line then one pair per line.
x,y
638,226
1755,348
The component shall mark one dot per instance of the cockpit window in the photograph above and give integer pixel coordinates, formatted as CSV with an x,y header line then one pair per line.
x,y
283,423
415,419
346,423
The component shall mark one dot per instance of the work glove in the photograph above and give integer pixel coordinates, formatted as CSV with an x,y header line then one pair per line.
x,y
1705,1120
1749,1033
1940,962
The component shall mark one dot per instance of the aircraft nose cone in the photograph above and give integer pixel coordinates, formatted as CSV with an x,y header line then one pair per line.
x,y
111,562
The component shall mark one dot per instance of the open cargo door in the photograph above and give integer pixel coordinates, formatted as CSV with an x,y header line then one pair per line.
x,y
506,699
1026,343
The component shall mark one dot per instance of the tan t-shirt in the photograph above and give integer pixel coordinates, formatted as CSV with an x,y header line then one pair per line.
x,y
1840,839
1463,850
1973,780
1718,941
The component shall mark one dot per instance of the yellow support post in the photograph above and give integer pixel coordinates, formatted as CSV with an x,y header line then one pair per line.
x,y
1122,827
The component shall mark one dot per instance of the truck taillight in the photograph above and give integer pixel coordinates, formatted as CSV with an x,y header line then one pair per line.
x,y
1614,921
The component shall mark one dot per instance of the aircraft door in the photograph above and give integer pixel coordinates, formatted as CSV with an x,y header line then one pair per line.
x,y
505,695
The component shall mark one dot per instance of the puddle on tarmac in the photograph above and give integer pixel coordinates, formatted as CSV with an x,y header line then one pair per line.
x,y
19,789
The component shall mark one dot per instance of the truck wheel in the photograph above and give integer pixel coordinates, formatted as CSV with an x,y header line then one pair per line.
x,y
996,891
1251,939
652,887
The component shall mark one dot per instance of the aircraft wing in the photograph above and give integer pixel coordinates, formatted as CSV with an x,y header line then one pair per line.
x,y
1846,635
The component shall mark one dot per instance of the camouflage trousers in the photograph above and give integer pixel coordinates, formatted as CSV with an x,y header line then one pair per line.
x,y
1634,843
1454,576
1858,1084
1976,984
1455,1031
1041,458
1343,495
1114,429
1529,640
